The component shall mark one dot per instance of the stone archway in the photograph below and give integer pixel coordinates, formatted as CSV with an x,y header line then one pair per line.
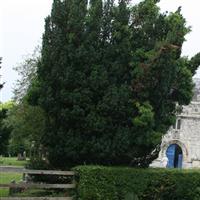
x,y
180,144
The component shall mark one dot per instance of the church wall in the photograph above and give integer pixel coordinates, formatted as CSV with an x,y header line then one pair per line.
x,y
187,136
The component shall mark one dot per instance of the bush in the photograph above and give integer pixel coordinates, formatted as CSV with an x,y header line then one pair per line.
x,y
113,183
37,163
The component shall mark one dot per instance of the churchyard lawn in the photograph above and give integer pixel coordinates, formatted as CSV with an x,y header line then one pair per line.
x,y
8,177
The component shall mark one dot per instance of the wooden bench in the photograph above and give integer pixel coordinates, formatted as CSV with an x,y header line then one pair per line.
x,y
31,185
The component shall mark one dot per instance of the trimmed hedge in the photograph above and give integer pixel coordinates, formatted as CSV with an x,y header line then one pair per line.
x,y
113,183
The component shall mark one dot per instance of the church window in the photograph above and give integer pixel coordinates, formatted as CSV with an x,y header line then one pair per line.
x,y
178,124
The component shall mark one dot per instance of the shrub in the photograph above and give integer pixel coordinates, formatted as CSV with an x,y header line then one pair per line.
x,y
113,183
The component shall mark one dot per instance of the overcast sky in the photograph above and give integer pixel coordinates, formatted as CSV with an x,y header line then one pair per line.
x,y
22,25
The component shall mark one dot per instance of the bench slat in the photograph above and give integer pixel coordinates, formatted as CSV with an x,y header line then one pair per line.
x,y
36,198
38,186
29,171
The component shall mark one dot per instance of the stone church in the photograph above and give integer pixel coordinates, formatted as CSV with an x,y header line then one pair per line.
x,y
180,147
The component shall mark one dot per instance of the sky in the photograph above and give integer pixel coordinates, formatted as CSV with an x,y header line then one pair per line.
x,y
22,26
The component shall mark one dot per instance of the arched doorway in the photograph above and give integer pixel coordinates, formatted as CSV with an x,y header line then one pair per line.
x,y
175,156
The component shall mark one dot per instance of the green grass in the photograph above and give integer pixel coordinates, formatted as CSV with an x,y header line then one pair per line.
x,y
11,162
7,178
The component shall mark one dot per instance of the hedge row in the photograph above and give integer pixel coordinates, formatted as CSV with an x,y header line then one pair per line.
x,y
113,183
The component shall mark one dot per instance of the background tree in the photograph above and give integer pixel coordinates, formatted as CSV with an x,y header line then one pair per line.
x,y
1,84
26,122
27,126
4,131
109,79
27,72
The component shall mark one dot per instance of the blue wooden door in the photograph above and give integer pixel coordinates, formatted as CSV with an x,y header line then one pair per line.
x,y
171,155
180,160
175,156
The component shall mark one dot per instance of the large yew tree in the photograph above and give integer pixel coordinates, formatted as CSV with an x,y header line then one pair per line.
x,y
109,79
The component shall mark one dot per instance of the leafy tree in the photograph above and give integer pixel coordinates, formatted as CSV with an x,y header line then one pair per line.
x,y
4,131
25,121
27,125
109,79
27,71
1,84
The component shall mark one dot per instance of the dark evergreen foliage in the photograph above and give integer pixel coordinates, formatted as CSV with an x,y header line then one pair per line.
x,y
109,80
4,131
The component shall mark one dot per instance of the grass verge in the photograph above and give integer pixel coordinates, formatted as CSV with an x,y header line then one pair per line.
x,y
7,178
11,161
